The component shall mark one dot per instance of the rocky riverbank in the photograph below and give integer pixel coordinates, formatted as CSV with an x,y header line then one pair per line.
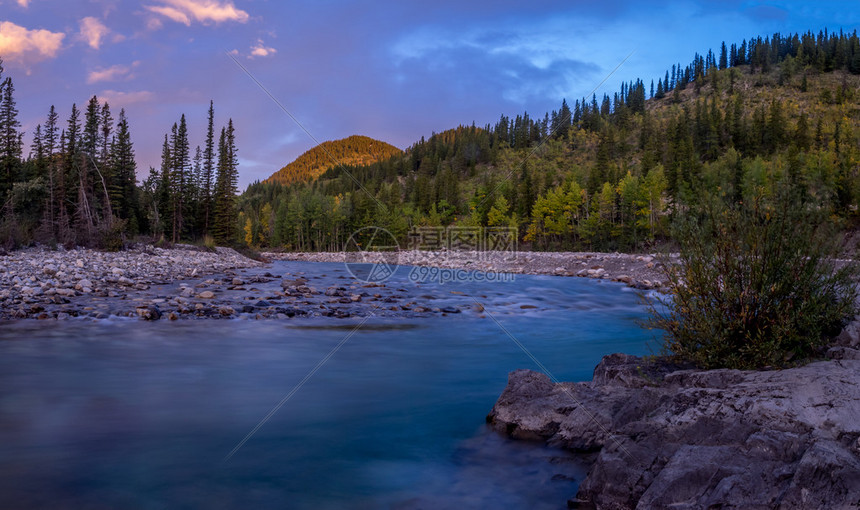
x,y
639,271
39,283
672,437
187,282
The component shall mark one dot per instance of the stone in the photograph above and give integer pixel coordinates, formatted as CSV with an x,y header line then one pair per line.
x,y
670,436
206,294
84,284
237,281
149,312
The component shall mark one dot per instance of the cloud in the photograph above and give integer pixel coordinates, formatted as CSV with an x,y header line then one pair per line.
x,y
112,73
126,98
23,3
203,11
17,42
261,50
93,31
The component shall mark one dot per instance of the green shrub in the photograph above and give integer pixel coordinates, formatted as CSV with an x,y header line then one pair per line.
x,y
209,242
756,284
112,235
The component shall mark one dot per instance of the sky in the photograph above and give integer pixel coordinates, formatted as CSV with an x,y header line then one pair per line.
x,y
392,70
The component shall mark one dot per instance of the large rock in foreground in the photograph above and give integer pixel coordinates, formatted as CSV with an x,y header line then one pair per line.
x,y
680,438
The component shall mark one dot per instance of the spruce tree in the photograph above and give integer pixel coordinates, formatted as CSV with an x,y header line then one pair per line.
x,y
226,186
105,133
163,201
124,170
208,169
10,139
180,171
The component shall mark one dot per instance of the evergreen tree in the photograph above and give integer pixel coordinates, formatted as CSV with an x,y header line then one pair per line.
x,y
124,170
10,138
208,169
179,177
106,131
226,186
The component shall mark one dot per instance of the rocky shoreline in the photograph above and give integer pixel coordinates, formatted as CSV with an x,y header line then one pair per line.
x,y
187,282
642,271
42,284
667,436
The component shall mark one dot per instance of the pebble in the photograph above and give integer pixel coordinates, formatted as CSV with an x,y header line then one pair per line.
x,y
55,277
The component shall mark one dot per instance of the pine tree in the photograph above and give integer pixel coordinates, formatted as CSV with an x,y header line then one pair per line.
x,y
226,186
208,169
179,181
123,192
92,123
37,154
10,138
106,131
163,200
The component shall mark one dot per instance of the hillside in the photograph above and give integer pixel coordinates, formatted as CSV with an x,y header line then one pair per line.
x,y
611,173
352,151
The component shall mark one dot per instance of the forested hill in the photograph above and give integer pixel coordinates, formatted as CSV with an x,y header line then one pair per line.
x,y
352,151
608,173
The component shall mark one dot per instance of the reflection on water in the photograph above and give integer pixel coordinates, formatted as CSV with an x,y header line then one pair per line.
x,y
129,414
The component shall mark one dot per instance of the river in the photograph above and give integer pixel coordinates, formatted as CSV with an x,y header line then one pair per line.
x,y
130,414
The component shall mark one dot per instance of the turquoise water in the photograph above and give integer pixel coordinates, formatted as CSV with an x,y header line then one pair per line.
x,y
128,414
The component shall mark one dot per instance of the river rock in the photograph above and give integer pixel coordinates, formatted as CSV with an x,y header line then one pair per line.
x,y
149,312
669,436
206,294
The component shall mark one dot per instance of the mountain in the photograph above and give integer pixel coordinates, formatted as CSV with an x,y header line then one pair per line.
x,y
352,151
612,172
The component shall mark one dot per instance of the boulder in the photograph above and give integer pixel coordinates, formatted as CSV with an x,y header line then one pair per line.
x,y
671,436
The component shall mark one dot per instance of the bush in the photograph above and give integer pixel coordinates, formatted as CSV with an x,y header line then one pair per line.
x,y
209,242
756,283
112,234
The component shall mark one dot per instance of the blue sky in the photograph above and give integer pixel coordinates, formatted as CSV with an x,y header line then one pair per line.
x,y
393,70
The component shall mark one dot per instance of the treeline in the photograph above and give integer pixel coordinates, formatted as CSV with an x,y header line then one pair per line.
x,y
191,197
606,174
78,185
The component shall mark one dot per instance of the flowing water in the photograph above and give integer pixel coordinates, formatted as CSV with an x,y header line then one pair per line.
x,y
129,414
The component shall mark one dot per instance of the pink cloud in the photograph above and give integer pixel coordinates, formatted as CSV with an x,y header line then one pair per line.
x,y
117,98
112,73
93,31
19,43
261,50
203,11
